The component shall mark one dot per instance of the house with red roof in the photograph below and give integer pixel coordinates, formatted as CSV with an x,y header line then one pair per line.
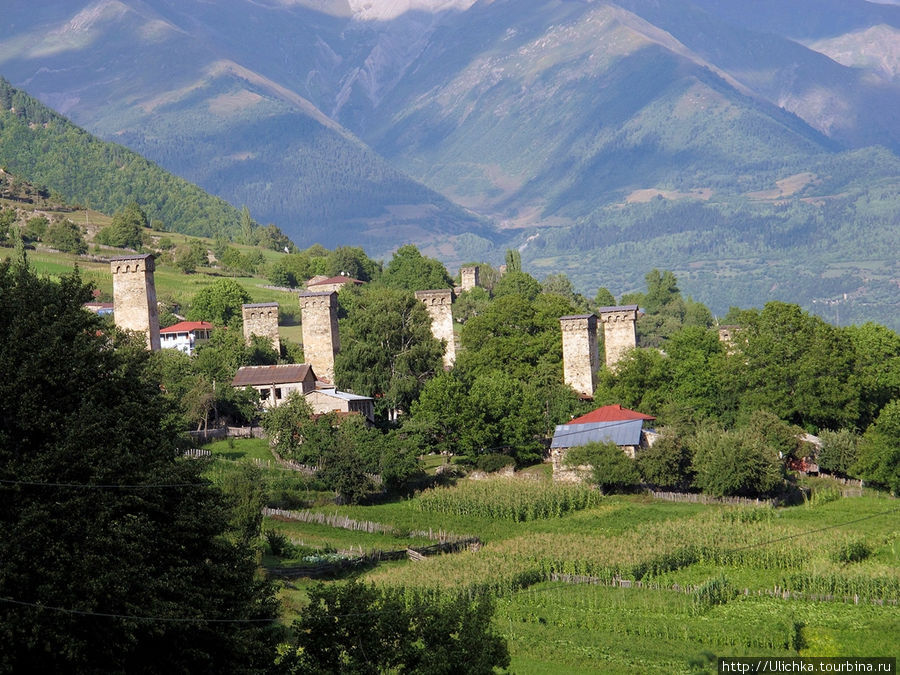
x,y
611,413
609,424
185,336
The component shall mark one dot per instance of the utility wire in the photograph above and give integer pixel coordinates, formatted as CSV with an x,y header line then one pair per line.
x,y
171,619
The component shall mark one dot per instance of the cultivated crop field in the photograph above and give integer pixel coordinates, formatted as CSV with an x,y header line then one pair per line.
x,y
633,585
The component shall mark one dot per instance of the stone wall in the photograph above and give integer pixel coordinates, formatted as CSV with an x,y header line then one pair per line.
x,y
580,354
321,341
262,319
439,306
469,277
134,296
618,332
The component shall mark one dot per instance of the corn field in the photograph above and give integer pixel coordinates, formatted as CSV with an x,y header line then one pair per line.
x,y
519,501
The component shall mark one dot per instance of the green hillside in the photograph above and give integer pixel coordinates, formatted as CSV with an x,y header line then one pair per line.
x,y
45,148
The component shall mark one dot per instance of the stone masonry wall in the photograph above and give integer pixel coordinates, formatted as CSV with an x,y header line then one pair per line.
x,y
618,332
469,277
262,319
321,341
580,354
134,296
439,305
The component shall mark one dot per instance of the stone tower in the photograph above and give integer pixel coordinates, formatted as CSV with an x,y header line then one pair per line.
x,y
580,354
469,277
134,296
321,341
261,319
438,303
618,331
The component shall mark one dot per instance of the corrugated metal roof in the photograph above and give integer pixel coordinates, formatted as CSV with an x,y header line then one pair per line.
x,y
343,395
625,432
611,413
249,376
616,308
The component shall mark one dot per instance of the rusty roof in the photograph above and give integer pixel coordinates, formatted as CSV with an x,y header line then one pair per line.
x,y
250,376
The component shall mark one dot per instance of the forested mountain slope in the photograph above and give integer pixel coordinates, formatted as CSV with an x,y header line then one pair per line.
x,y
45,148
752,149
167,84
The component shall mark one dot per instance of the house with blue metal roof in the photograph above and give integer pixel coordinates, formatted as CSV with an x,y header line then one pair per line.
x,y
628,434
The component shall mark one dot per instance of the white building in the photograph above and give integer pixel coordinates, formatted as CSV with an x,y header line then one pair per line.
x,y
185,336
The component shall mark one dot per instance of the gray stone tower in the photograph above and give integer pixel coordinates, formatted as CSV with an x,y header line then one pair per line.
x,y
439,304
134,296
618,331
581,357
321,341
469,277
261,319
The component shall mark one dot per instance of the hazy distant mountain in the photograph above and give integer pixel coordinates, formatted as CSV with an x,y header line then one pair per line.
x,y
161,79
751,147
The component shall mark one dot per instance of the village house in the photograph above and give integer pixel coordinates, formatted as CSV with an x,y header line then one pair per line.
x,y
185,336
328,399
608,424
276,383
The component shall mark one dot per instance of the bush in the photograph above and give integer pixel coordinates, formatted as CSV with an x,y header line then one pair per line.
x,y
665,464
852,551
494,461
611,469
735,463
279,544
839,451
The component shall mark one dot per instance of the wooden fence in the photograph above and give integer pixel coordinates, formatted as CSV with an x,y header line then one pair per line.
x,y
774,592
195,453
706,499
347,523
218,433
331,568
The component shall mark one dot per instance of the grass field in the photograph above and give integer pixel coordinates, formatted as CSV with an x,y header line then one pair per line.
x,y
172,285
663,624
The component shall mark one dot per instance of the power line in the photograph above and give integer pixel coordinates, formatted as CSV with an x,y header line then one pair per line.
x,y
103,485
108,615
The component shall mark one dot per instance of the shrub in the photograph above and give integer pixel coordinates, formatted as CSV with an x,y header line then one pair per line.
x,y
852,551
611,469
279,544
494,461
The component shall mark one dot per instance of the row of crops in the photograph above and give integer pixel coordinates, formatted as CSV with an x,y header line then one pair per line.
x,y
703,579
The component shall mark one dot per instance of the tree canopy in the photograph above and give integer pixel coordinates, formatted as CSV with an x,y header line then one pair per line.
x,y
115,554
219,303
387,349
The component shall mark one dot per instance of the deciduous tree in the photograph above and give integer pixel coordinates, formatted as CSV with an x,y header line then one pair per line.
x,y
115,554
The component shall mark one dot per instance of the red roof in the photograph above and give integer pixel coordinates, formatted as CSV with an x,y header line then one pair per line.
x,y
187,327
611,413
336,280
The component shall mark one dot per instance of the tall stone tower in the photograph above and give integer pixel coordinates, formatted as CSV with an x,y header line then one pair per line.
x,y
469,277
134,296
581,357
618,331
321,341
261,319
439,304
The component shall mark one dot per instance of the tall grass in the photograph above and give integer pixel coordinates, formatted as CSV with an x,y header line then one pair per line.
x,y
514,500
